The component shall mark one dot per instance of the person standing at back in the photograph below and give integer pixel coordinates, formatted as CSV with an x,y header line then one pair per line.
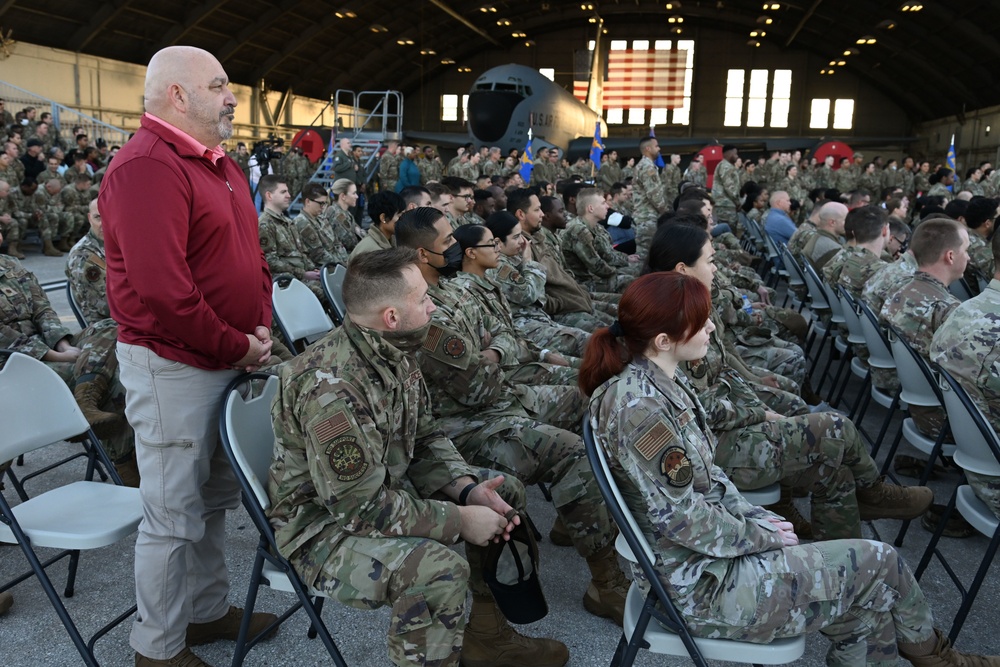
x,y
189,287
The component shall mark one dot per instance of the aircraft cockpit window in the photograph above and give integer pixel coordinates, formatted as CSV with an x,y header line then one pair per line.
x,y
484,86
507,87
527,91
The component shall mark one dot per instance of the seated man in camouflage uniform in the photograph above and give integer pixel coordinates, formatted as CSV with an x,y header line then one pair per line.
x,y
319,240
517,429
733,570
967,345
369,495
75,197
11,226
587,248
29,209
280,240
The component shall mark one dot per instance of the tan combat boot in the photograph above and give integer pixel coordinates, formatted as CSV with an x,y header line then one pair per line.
x,y
785,507
63,244
889,501
128,470
490,641
90,394
6,602
14,251
938,652
559,535
50,250
608,588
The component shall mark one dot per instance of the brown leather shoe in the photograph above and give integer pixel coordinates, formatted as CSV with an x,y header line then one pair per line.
x,y
183,659
228,627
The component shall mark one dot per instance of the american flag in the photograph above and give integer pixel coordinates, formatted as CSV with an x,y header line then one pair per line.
x,y
645,79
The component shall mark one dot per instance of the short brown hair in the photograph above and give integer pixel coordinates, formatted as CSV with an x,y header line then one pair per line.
x,y
376,278
933,238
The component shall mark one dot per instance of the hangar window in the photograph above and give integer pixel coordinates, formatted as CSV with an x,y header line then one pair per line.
x,y
843,114
548,72
450,108
758,102
614,116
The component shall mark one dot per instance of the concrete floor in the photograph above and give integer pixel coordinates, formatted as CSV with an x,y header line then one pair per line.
x,y
31,635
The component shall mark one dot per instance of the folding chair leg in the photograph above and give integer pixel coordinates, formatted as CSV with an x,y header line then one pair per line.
x,y
924,476
885,424
861,402
970,595
891,455
847,379
318,606
931,549
241,649
545,491
844,361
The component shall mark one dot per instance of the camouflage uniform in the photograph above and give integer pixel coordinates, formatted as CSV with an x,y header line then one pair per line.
x,y
85,269
921,183
671,177
726,192
888,280
510,428
358,463
29,325
821,248
520,357
592,260
30,212
975,187
12,231
609,174
846,178
916,311
822,451
859,265
940,190
388,171
543,171
321,245
54,213
341,222
650,197
373,240
720,558
824,177
800,238
284,251
870,183
967,345
523,284
75,206
430,170
565,299
981,255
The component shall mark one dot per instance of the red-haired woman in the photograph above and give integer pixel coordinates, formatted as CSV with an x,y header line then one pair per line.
x,y
734,570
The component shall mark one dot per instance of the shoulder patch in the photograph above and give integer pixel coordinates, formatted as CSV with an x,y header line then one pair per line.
x,y
652,441
505,271
676,467
698,368
331,428
454,347
92,273
433,338
347,458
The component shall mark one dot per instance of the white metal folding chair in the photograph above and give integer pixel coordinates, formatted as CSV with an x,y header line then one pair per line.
x,y
38,409
75,307
299,314
879,356
248,441
333,287
978,451
669,635
855,336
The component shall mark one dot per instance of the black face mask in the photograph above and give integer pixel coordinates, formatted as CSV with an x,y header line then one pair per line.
x,y
453,260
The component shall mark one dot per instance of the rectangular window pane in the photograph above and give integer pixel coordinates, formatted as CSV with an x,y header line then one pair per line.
x,y
682,116
734,83
640,44
782,84
819,114
548,72
636,116
755,112
779,113
657,116
758,84
662,45
465,108
590,45
449,107
843,114
734,112
615,116
687,45
619,45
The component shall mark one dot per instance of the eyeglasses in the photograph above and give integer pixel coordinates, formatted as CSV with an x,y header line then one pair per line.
x,y
495,244
467,196
324,203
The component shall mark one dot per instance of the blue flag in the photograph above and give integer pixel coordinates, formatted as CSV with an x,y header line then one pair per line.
x,y
596,148
950,160
527,161
659,158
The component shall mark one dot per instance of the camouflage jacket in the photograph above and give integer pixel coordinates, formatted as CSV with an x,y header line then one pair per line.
x,y
726,190
918,308
29,209
981,255
498,320
860,264
27,322
821,248
85,269
373,240
671,177
888,280
282,246
388,170
523,284
800,238
967,345
661,451
586,256
824,177
356,450
563,294
609,174
648,192
342,224
321,245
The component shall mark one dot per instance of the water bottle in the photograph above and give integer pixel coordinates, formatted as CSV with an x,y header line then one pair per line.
x,y
747,307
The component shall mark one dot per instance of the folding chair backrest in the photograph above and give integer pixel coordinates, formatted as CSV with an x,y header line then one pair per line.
x,y
36,407
977,446
817,294
848,309
915,376
247,430
795,275
960,290
74,306
772,247
333,286
298,311
878,347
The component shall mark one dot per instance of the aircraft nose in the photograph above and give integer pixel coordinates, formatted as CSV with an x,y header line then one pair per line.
x,y
490,113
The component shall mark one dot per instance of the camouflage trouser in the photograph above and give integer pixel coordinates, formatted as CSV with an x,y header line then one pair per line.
x,y
930,421
885,379
859,593
781,401
822,452
12,231
986,488
58,224
98,358
565,340
777,356
561,406
535,452
425,582
586,321
615,284
538,373
606,302
644,232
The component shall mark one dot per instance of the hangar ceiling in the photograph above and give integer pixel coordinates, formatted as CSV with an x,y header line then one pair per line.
x,y
940,60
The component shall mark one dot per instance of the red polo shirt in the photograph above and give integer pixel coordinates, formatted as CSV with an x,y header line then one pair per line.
x,y
186,277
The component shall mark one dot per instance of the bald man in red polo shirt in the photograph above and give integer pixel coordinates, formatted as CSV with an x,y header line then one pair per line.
x,y
190,289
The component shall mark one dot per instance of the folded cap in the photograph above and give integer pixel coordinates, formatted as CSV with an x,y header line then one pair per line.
x,y
511,572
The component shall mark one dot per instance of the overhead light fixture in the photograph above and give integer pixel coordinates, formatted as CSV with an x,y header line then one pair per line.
x,y
673,5
758,33
676,31
592,19
529,43
841,63
765,20
503,23
405,42
832,63
753,42
345,14
865,39
428,52
587,7
518,35
465,70
604,31
851,51
675,19
887,24
488,9
911,7
771,5
447,61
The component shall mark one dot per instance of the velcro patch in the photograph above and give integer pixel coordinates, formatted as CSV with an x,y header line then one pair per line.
x,y
92,274
433,338
676,467
698,368
347,458
454,347
654,440
328,429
